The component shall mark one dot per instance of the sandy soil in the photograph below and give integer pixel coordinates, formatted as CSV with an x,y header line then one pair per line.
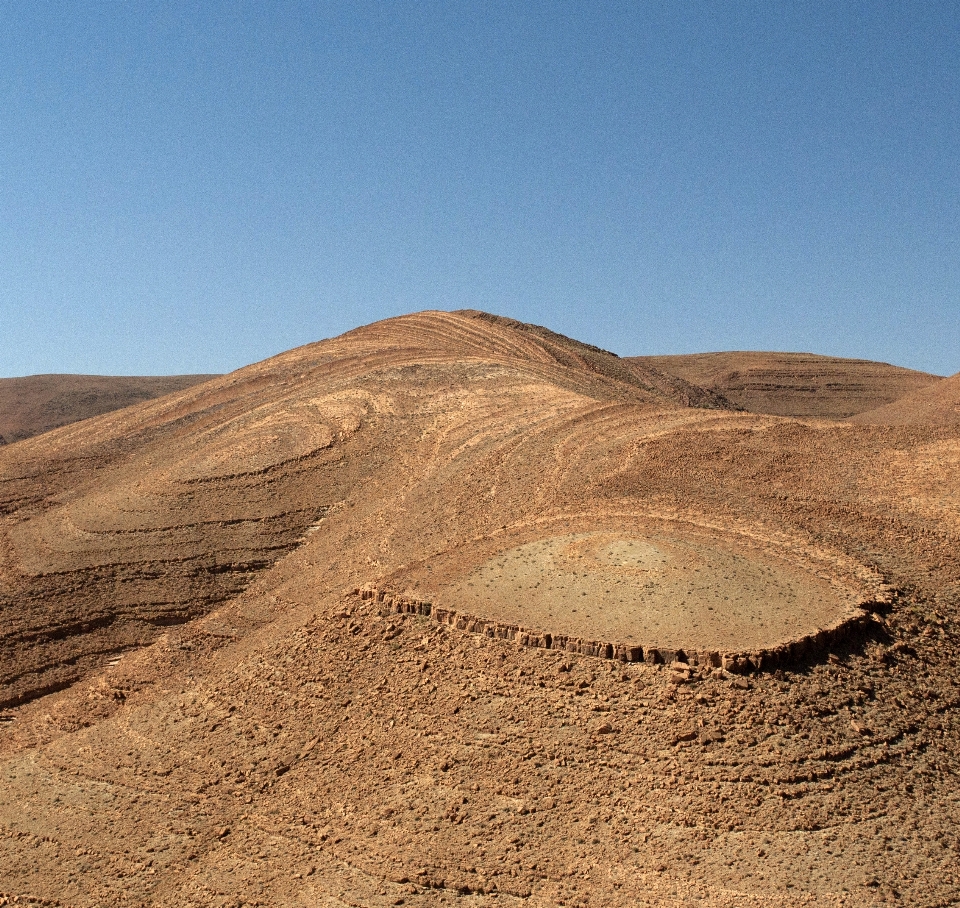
x,y
649,590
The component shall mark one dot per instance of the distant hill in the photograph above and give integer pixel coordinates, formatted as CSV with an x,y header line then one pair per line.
x,y
794,384
936,404
39,403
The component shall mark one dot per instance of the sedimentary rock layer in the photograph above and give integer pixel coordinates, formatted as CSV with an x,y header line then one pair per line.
x,y
806,647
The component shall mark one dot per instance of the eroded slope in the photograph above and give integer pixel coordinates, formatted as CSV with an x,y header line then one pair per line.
x,y
153,516
293,745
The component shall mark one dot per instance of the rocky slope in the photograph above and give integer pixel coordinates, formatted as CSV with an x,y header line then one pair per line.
x,y
239,725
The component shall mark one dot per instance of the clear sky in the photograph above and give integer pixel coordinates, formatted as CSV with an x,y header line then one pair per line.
x,y
190,187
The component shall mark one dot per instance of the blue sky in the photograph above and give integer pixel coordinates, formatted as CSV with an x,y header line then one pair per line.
x,y
192,187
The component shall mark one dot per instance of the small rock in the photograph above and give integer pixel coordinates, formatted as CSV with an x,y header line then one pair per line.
x,y
861,729
689,735
604,728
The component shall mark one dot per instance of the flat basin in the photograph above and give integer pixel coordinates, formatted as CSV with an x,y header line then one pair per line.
x,y
648,590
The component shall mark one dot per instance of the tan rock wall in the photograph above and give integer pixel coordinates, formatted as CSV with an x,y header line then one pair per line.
x,y
807,647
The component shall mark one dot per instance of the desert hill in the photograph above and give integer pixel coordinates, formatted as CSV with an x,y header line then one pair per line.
x,y
934,405
210,486
794,384
452,608
39,403
568,351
